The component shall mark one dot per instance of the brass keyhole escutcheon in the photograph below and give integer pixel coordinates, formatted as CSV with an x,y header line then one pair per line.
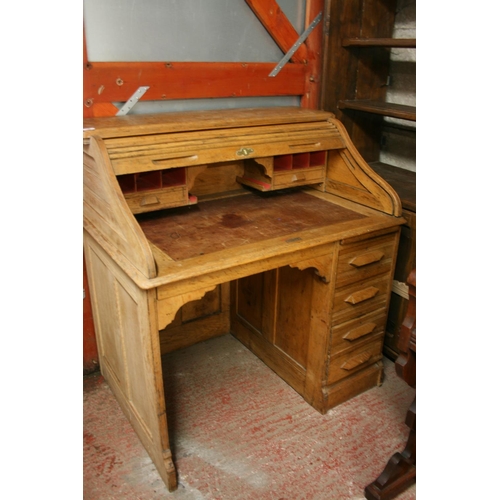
x,y
244,151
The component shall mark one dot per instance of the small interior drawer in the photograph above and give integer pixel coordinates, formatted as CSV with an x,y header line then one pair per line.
x,y
354,360
298,177
362,260
159,199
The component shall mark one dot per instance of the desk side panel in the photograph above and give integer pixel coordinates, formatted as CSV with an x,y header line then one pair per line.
x,y
106,214
129,353
350,177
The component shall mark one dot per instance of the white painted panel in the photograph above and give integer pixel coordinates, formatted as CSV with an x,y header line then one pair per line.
x,y
182,30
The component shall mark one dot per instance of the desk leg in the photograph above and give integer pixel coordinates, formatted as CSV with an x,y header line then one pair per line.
x,y
401,470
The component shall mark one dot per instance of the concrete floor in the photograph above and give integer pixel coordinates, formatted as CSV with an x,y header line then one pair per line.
x,y
238,432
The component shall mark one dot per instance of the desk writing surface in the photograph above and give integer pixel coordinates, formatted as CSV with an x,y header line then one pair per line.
x,y
222,224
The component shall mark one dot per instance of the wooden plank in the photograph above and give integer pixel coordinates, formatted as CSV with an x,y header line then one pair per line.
x,y
314,43
98,109
381,108
293,313
380,42
184,121
279,27
251,301
117,81
340,67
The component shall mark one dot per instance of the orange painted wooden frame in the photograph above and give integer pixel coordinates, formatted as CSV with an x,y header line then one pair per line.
x,y
108,82
279,27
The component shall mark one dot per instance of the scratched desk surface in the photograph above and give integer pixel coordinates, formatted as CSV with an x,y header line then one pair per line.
x,y
227,223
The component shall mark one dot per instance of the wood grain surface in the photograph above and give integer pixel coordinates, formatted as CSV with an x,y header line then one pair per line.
x,y
215,225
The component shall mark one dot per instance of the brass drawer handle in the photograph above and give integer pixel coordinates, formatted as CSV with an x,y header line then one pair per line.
x,y
244,152
360,331
367,258
357,361
362,295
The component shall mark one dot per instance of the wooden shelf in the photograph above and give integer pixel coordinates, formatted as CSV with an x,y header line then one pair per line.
x,y
408,43
381,108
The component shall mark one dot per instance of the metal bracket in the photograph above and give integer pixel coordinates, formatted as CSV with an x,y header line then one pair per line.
x,y
132,101
295,46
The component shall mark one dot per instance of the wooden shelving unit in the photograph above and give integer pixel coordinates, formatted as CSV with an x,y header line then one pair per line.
x,y
356,69
380,107
356,79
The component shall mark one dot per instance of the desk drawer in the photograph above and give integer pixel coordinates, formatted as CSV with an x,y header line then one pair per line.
x,y
360,298
354,360
298,177
357,331
365,259
157,200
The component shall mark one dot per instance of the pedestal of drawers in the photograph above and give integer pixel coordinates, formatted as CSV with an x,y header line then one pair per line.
x,y
351,356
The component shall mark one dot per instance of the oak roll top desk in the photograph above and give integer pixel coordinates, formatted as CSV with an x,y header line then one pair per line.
x,y
270,212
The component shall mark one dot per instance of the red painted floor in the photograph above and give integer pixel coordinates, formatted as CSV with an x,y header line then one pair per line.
x,y
238,432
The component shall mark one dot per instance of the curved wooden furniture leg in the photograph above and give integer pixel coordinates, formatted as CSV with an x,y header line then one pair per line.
x,y
401,470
